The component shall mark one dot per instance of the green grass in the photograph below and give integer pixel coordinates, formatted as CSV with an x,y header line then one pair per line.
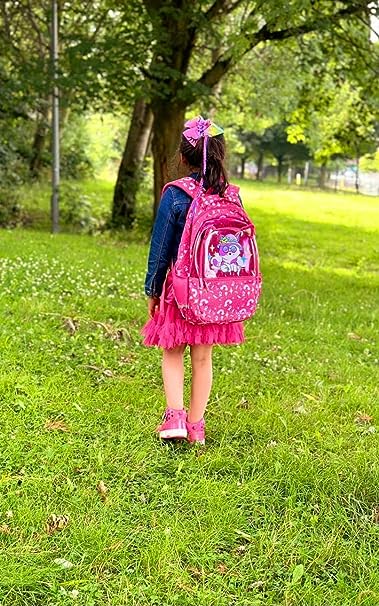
x,y
279,509
36,200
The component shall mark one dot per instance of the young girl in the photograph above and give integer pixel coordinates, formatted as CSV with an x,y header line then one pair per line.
x,y
202,152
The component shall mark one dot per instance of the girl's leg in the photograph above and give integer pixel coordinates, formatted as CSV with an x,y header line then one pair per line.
x,y
201,358
173,376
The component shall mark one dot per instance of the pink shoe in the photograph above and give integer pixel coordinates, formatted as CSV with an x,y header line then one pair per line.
x,y
174,424
196,432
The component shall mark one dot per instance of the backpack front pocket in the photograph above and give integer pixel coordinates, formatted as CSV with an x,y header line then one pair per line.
x,y
221,301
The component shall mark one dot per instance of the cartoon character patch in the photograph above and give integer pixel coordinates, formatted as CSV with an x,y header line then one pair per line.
x,y
229,257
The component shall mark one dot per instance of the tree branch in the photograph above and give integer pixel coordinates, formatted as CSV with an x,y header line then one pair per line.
x,y
344,36
211,76
369,26
14,113
99,25
7,21
221,7
84,12
152,5
41,43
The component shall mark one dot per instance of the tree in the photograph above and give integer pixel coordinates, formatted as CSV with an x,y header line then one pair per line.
x,y
370,162
183,67
275,142
129,172
338,107
261,93
88,62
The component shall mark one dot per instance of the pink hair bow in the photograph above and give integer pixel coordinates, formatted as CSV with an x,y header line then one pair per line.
x,y
198,127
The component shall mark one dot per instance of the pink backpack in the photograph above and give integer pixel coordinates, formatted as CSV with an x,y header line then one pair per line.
x,y
216,277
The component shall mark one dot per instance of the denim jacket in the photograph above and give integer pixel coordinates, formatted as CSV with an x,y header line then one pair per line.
x,y
166,236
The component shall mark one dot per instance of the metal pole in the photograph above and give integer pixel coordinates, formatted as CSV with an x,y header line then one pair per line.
x,y
55,122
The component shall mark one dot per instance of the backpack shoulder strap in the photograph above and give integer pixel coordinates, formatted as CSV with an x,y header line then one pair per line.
x,y
232,190
187,184
190,186
232,194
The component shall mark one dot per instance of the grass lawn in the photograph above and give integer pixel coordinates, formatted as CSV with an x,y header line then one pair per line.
x,y
281,508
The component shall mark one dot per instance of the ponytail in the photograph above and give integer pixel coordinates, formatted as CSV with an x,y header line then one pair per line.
x,y
215,177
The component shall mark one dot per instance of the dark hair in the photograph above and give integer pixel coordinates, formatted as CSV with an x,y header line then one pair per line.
x,y
215,178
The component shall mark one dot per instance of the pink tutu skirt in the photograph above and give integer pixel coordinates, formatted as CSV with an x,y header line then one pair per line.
x,y
169,329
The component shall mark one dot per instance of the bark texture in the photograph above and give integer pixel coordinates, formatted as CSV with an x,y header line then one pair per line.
x,y
260,160
129,173
39,142
357,175
322,175
243,163
168,125
280,168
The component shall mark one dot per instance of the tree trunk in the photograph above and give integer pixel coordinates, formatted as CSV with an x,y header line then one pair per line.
x,y
280,168
357,175
39,142
322,176
259,175
336,179
65,112
129,173
167,128
243,163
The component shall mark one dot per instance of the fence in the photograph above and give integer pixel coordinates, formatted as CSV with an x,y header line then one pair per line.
x,y
368,182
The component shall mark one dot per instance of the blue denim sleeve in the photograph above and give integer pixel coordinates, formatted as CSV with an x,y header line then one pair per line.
x,y
161,246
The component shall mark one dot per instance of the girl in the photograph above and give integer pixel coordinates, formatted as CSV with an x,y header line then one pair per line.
x,y
202,153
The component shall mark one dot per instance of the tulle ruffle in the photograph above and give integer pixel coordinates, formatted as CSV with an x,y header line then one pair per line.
x,y
169,329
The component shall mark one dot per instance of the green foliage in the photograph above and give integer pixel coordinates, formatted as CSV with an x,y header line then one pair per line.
x,y
84,205
370,162
12,213
281,506
271,144
322,88
337,106
11,166
178,55
93,42
75,163
77,210
274,141
12,175
14,151
91,38
263,90
105,139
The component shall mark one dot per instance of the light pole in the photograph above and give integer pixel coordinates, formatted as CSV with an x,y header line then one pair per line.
x,y
55,121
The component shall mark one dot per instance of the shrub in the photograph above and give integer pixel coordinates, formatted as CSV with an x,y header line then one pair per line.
x,y
12,175
76,210
75,163
12,213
